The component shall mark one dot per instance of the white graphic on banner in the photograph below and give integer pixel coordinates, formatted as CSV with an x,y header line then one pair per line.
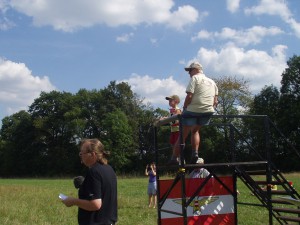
x,y
200,205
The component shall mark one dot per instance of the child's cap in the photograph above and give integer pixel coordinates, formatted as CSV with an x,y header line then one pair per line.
x,y
174,97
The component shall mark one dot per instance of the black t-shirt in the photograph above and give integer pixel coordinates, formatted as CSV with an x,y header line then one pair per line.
x,y
100,183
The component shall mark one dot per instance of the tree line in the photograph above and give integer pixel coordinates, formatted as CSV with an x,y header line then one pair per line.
x,y
43,141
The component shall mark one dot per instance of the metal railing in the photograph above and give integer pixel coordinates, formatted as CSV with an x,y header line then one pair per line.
x,y
180,176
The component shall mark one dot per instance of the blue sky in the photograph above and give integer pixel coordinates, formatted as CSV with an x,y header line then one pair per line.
x,y
67,45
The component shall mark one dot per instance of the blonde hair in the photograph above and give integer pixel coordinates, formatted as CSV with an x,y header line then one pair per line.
x,y
94,145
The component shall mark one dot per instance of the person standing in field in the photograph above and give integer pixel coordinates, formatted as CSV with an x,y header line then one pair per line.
x,y
97,201
150,171
199,105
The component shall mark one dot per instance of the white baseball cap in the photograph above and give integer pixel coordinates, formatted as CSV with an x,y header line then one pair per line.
x,y
200,161
194,65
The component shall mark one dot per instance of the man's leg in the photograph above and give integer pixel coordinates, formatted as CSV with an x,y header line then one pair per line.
x,y
195,142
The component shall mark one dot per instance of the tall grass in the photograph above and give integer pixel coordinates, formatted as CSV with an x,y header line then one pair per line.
x,y
36,202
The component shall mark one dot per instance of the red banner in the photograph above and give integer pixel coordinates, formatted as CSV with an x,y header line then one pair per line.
x,y
213,205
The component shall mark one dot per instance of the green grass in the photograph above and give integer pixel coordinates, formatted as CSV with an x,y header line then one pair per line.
x,y
35,202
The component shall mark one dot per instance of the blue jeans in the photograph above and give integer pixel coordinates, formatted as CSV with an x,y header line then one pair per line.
x,y
192,118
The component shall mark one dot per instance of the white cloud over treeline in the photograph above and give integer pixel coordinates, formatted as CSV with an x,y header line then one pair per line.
x,y
19,87
259,67
155,90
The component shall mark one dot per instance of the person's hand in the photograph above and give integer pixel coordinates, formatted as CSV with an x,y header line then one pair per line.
x,y
69,201
215,104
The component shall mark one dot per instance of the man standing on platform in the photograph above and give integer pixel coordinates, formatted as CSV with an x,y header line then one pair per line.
x,y
199,105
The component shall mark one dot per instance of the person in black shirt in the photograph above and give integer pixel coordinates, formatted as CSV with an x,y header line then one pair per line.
x,y
97,201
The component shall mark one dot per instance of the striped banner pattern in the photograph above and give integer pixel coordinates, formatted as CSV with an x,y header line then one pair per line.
x,y
213,205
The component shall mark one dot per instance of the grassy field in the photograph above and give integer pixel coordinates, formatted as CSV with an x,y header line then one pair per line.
x,y
36,202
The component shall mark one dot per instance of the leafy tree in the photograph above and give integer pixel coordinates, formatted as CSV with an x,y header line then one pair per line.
x,y
234,98
88,110
53,133
140,117
266,102
289,109
119,138
283,109
56,121
289,105
17,145
234,95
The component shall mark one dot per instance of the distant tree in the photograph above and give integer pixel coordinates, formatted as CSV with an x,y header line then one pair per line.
x,y
18,154
234,98
120,96
44,140
53,132
266,102
234,95
140,116
289,105
289,111
119,139
87,113
283,109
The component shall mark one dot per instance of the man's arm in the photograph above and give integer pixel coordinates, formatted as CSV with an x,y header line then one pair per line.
x,y
215,101
188,99
91,205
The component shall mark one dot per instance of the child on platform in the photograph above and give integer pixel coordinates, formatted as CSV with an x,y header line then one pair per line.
x,y
174,100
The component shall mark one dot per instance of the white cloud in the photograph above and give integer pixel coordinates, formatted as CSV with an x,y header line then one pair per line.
x,y
70,15
253,35
233,5
258,67
270,7
18,87
295,26
155,90
124,37
183,16
5,23
202,34
275,8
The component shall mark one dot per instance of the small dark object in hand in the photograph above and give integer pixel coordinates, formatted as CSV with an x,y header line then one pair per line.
x,y
78,181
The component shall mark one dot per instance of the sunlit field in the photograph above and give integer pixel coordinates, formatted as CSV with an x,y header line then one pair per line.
x,y
36,202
